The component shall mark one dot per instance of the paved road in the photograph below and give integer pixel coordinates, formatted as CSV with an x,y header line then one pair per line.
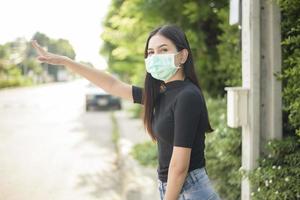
x,y
51,149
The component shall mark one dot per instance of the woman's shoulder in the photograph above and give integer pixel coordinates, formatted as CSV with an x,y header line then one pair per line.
x,y
190,94
189,101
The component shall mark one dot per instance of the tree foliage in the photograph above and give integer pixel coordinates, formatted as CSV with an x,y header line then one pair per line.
x,y
18,65
129,22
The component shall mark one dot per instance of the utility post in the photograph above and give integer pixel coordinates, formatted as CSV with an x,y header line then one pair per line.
x,y
256,106
271,103
251,80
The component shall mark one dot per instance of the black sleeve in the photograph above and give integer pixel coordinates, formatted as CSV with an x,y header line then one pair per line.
x,y
137,94
187,112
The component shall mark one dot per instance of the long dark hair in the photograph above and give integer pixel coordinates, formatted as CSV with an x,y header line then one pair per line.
x,y
152,86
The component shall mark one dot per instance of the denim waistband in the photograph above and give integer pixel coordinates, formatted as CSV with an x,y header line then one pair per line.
x,y
196,175
193,176
197,186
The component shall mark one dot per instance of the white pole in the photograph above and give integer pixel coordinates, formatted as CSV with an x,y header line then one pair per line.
x,y
271,109
251,80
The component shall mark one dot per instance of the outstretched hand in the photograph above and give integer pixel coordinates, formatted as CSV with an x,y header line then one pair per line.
x,y
47,57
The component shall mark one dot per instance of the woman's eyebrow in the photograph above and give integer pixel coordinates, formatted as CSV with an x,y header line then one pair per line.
x,y
162,45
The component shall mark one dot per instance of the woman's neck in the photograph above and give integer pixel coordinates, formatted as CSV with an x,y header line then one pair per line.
x,y
178,76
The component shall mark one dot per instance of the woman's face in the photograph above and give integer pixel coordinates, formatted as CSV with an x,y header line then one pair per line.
x,y
159,44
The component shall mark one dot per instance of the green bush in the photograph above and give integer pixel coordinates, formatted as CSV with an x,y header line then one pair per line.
x,y
145,153
290,27
135,111
278,174
13,78
223,151
14,82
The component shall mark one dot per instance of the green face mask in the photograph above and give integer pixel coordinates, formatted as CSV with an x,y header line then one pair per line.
x,y
161,66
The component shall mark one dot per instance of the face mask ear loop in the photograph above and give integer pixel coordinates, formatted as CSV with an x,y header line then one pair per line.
x,y
175,54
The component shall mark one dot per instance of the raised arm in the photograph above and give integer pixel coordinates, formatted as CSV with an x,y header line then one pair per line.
x,y
100,78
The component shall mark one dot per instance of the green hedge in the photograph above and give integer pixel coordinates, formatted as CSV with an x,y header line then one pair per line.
x,y
145,153
290,76
278,174
13,78
15,82
223,151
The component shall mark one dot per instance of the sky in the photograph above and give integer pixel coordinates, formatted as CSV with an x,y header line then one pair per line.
x,y
78,21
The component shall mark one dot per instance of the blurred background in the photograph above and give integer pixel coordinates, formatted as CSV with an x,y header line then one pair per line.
x,y
63,138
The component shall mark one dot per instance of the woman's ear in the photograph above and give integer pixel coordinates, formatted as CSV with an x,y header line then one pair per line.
x,y
184,56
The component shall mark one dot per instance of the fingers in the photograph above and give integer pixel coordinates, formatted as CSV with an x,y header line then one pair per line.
x,y
44,56
35,44
39,49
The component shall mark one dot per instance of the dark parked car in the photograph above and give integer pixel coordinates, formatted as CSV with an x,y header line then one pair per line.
x,y
97,98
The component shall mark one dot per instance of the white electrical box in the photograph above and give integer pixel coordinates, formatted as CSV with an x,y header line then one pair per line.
x,y
234,12
237,106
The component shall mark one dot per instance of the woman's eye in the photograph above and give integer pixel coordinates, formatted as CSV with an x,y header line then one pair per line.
x,y
150,53
164,50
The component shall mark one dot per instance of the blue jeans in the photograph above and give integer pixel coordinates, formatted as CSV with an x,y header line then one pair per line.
x,y
197,186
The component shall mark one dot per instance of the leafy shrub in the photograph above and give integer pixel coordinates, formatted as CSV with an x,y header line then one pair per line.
x,y
145,153
14,82
223,151
278,174
290,27
13,78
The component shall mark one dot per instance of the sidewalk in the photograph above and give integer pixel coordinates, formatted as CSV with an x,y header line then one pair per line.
x,y
139,182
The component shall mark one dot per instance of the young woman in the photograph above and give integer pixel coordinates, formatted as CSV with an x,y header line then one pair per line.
x,y
175,113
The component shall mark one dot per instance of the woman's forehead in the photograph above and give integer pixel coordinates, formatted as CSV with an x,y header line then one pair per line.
x,y
157,41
